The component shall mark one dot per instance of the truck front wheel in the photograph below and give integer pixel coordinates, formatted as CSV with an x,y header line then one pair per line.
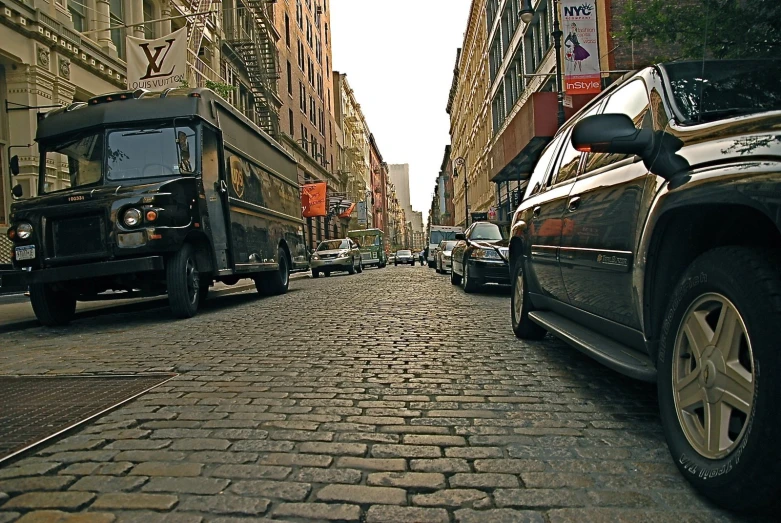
x,y
184,282
52,307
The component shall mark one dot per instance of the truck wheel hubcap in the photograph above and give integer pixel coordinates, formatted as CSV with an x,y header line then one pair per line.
x,y
518,297
713,376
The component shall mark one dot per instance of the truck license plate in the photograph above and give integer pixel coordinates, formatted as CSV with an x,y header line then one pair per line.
x,y
26,252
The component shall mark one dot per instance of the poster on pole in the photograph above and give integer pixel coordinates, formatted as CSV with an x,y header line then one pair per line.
x,y
362,215
313,200
581,47
159,63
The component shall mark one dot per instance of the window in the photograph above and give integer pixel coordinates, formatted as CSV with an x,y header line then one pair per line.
x,y
301,58
78,14
149,14
117,19
290,123
312,111
302,97
299,14
542,167
289,78
287,30
498,109
309,32
631,100
326,33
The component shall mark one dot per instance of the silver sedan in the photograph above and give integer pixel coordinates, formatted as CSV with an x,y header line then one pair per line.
x,y
443,256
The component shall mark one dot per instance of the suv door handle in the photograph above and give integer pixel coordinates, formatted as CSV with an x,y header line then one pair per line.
x,y
536,211
574,203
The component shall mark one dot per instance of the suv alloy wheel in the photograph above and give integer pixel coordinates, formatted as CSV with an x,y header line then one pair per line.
x,y
718,366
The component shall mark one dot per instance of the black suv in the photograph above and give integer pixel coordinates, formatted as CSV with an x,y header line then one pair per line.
x,y
649,238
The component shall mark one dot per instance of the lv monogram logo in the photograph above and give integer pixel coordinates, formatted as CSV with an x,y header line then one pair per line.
x,y
155,61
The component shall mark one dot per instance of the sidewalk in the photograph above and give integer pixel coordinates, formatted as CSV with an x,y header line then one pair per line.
x,y
16,313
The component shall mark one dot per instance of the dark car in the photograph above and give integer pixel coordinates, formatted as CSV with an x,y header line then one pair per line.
x,y
404,256
649,239
480,257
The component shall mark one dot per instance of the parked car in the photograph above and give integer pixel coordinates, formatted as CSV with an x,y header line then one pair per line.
x,y
404,256
336,255
480,256
648,238
392,258
443,255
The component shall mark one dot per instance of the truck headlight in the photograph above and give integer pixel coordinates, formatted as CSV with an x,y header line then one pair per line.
x,y
24,230
132,217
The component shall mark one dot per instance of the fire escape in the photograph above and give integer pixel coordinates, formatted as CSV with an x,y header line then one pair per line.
x,y
251,37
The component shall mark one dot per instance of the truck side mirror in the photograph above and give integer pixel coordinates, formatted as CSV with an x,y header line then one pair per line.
x,y
15,165
17,191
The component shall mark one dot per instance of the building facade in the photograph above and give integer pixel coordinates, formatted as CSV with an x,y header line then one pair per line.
x,y
470,119
379,181
354,156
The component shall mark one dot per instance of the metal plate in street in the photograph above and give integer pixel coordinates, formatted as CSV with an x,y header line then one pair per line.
x,y
36,409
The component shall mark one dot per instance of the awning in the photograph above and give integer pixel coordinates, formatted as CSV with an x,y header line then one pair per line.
x,y
516,151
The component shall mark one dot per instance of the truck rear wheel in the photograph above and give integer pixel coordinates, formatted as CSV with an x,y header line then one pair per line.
x,y
184,282
53,308
275,282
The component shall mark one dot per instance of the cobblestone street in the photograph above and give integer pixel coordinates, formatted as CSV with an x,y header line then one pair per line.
x,y
384,396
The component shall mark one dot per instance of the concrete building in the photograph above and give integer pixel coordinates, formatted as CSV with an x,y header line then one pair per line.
x,y
399,175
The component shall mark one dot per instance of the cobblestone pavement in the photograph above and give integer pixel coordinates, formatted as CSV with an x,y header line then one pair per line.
x,y
384,396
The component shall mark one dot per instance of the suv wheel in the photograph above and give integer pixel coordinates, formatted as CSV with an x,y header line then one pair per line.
x,y
523,327
719,412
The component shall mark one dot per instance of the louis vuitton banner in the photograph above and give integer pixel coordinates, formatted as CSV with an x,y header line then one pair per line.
x,y
157,64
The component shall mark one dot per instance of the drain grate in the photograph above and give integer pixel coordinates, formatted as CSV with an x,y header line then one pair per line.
x,y
34,409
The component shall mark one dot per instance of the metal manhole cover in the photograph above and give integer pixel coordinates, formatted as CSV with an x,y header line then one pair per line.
x,y
34,409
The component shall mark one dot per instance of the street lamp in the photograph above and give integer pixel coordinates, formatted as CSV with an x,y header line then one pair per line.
x,y
527,14
461,163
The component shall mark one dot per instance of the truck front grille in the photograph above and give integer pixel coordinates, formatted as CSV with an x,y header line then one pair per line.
x,y
78,236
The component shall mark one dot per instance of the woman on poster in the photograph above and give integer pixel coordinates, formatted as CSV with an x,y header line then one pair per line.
x,y
578,53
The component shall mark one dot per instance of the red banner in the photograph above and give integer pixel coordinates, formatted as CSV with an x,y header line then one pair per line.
x,y
348,212
313,200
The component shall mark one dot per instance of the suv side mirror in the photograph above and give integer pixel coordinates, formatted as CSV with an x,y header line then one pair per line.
x,y
17,191
14,165
460,236
611,133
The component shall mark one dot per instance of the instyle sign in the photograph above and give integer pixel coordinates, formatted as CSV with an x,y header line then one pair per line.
x,y
157,64
581,47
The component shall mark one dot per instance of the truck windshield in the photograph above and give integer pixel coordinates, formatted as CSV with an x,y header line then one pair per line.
x,y
150,153
366,240
438,236
84,155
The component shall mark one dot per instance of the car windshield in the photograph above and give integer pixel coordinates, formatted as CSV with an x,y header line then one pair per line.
x,y
333,245
486,231
712,90
404,253
84,155
150,153
447,246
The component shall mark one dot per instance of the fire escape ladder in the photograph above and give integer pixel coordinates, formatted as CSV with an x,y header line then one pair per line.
x,y
198,26
257,50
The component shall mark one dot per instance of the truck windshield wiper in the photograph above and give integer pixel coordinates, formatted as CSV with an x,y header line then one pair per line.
x,y
139,133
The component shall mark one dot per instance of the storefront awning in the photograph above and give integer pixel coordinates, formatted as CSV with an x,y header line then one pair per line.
x,y
516,151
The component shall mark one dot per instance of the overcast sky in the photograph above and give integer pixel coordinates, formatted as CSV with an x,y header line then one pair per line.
x,y
399,57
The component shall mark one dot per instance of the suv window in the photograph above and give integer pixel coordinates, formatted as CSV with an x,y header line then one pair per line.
x,y
537,178
570,157
631,100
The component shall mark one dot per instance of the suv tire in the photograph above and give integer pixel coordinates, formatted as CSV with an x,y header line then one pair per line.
x,y
360,265
738,287
183,282
53,308
520,307
470,285
351,270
